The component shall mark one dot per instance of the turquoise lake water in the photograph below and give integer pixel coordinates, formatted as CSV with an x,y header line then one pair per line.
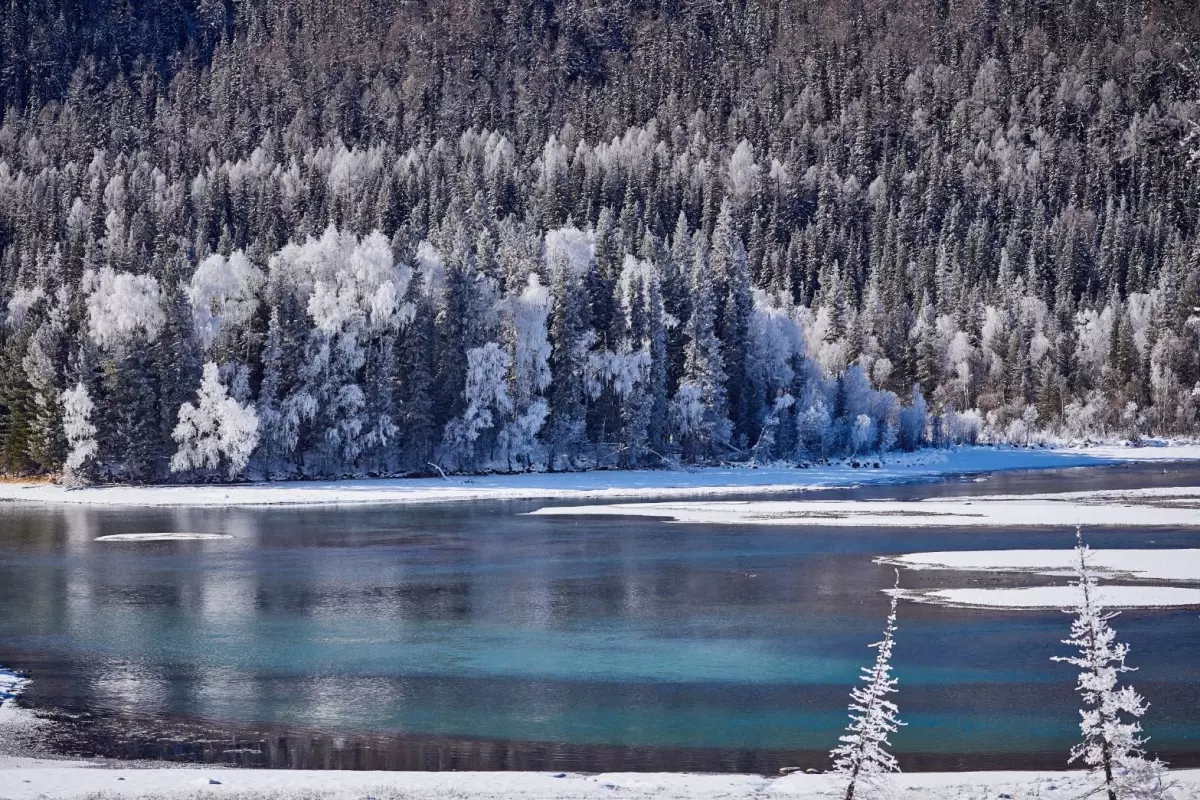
x,y
471,635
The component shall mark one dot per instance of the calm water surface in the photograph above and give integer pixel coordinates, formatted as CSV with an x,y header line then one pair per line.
x,y
471,636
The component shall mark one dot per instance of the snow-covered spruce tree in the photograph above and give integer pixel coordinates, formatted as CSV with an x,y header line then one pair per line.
x,y
218,429
698,410
570,257
1112,743
862,755
80,434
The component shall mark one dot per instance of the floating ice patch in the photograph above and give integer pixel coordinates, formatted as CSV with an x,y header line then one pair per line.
x,y
1157,565
1054,597
1177,508
161,537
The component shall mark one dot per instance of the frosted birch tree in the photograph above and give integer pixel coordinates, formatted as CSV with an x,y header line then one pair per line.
x,y
218,429
1112,745
863,757
80,434
473,434
528,313
223,292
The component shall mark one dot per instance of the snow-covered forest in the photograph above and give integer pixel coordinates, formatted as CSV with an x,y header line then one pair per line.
x,y
282,239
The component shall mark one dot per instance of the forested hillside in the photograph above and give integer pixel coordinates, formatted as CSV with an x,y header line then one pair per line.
x,y
381,236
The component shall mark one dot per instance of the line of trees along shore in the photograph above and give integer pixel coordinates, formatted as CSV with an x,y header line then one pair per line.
x,y
311,239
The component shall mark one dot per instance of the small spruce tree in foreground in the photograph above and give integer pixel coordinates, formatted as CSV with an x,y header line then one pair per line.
x,y
1112,743
862,755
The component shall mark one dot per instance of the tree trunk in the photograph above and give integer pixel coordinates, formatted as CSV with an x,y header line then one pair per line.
x,y
854,780
1108,775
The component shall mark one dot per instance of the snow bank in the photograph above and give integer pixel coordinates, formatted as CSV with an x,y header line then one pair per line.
x,y
18,726
608,484
1043,597
11,684
29,780
1139,508
1147,451
1159,565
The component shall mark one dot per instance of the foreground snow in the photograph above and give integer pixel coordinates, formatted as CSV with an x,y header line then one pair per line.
x,y
27,779
609,484
1136,508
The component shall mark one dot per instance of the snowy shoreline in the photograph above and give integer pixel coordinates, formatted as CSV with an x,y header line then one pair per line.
x,y
921,466
30,779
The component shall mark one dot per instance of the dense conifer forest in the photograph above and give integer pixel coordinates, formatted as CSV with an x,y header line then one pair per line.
x,y
286,239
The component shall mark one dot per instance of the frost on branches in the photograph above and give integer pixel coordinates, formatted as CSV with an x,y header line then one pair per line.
x,y
121,305
527,315
1112,743
471,435
80,434
218,429
862,755
223,292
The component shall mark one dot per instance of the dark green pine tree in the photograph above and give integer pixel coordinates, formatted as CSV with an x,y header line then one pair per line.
x,y
570,338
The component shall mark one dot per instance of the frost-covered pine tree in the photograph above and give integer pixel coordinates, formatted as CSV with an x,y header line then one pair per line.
x,y
80,434
698,410
862,755
217,429
1112,743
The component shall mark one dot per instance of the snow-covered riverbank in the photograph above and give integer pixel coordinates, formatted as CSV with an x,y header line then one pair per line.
x,y
607,484
27,779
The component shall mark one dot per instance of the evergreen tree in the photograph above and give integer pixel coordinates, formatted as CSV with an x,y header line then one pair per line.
x,y
1112,746
698,410
863,757
571,340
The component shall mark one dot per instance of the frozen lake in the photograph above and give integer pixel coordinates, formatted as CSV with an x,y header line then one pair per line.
x,y
472,636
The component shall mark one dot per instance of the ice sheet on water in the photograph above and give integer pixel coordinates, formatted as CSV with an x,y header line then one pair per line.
x,y
161,537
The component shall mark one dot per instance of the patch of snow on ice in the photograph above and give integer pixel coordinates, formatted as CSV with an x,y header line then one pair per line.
x,y
18,726
1168,564
12,683
1054,597
1139,508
